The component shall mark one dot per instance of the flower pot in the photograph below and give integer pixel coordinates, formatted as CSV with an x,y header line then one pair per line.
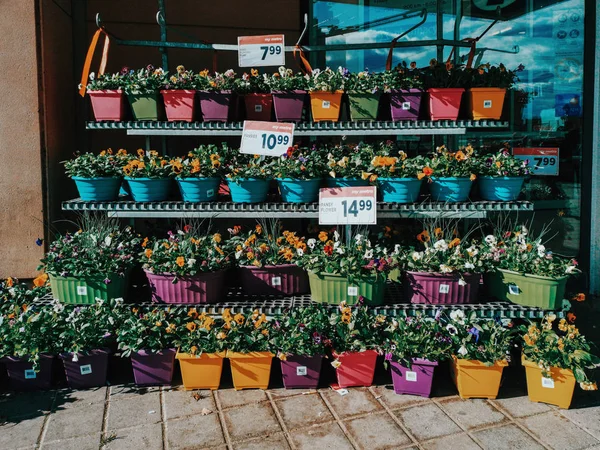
x,y
450,189
405,105
248,190
215,106
100,189
444,103
250,370
301,372
399,190
88,371
333,289
144,106
364,105
85,290
500,189
486,102
417,380
258,106
201,371
149,189
22,377
326,105
108,105
395,275
441,288
356,369
557,390
474,379
179,104
153,368
199,189
286,279
345,182
527,290
294,190
289,105
202,288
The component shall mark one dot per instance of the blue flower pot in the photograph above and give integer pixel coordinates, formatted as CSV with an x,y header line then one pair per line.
x,y
149,189
299,191
345,182
125,191
248,190
199,189
450,189
101,189
501,189
399,190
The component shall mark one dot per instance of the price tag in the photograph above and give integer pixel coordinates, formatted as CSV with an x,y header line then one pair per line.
x,y
547,383
301,371
266,138
444,288
210,193
30,374
543,161
411,376
276,281
81,290
352,291
513,289
405,106
326,104
86,369
348,206
259,51
487,104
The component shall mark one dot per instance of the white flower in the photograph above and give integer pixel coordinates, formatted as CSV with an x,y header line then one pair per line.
x,y
107,241
180,232
336,236
75,357
490,239
441,245
462,282
12,292
238,254
541,250
300,252
416,256
445,269
119,301
458,316
340,250
368,254
22,330
451,329
472,251
191,262
571,269
469,265
524,230
397,249
358,238
311,243
462,350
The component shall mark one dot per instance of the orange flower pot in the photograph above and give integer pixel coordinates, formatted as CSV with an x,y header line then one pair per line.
x,y
486,103
557,390
201,372
326,105
250,370
474,379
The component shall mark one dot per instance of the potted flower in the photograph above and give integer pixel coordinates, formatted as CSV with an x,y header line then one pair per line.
x,y
215,94
487,89
142,88
364,90
501,176
445,86
97,177
257,95
186,267
405,87
248,178
289,92
299,173
178,92
107,96
199,174
326,88
347,165
555,356
148,176
451,174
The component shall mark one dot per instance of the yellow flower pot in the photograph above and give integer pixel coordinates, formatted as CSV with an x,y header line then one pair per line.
x,y
474,379
557,390
201,372
250,370
326,105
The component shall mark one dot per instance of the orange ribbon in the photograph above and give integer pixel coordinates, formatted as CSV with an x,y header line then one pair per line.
x,y
388,62
303,62
90,55
473,42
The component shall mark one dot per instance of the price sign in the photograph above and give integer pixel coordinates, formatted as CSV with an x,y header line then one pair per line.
x,y
348,206
258,51
542,160
266,138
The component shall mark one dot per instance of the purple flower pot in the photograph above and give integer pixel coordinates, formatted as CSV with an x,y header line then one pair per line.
x,y
301,371
22,377
405,105
286,279
215,105
153,369
414,381
441,289
203,288
88,371
289,105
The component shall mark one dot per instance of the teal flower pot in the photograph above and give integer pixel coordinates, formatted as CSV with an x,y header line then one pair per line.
x,y
501,189
149,189
345,182
101,189
299,191
199,189
248,190
450,189
399,190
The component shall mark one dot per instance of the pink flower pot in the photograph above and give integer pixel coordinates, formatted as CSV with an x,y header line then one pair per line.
x,y
203,288
444,103
357,368
441,289
289,105
179,104
417,380
405,104
215,106
258,106
286,279
108,105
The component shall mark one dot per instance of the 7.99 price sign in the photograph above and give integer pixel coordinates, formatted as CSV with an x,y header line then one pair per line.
x,y
348,206
259,51
266,138
541,160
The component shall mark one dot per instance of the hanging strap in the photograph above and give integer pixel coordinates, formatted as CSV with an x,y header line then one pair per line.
x,y
214,61
90,55
388,62
473,42
301,60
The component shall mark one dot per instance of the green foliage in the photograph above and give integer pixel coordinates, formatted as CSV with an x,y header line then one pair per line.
x,y
302,331
300,163
148,80
107,81
285,80
245,334
203,162
354,329
89,165
148,164
148,329
327,80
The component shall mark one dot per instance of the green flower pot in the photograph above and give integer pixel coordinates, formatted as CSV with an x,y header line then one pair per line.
x,y
395,275
333,289
364,105
144,106
85,290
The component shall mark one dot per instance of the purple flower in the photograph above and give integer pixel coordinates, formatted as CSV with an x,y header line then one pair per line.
x,y
474,332
106,335
316,338
39,242
345,72
360,300
149,67
107,281
277,324
301,326
438,314
302,159
388,356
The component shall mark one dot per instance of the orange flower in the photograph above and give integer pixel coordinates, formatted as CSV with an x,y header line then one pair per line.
x,y
145,242
473,177
148,253
423,236
454,242
579,297
217,238
254,72
259,229
438,232
323,236
239,319
191,326
141,153
41,280
460,156
180,261
265,332
10,282
193,349
571,317
193,313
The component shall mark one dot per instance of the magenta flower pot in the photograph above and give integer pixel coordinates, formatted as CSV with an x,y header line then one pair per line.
x,y
286,279
417,380
108,105
301,372
289,105
204,288
258,106
88,371
441,289
444,103
215,106
357,368
405,104
153,369
22,377
179,104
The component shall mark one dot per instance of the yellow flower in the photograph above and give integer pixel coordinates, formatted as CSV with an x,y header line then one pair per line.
x,y
191,326
239,319
259,229
193,349
473,177
221,335
217,238
40,280
265,332
158,323
9,282
588,386
227,315
323,236
180,261
145,242
193,313
170,328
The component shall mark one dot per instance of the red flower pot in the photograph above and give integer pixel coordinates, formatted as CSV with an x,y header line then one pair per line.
x,y
258,106
179,104
22,377
108,105
357,368
441,289
203,288
444,103
286,279
88,371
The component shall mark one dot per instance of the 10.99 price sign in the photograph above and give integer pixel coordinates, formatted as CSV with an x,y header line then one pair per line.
x,y
348,206
266,138
259,51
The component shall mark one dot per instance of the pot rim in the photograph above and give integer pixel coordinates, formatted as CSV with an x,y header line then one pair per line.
x,y
497,90
298,179
197,178
223,92
269,266
176,91
92,352
203,355
184,277
248,355
95,178
445,275
493,177
445,89
162,352
337,92
528,275
106,91
101,278
292,91
418,362
147,179
399,179
476,363
22,359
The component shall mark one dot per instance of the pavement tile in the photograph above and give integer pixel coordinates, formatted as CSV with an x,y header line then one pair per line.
x,y
231,397
393,400
133,411
20,434
74,422
356,401
180,403
275,441
586,418
506,437
131,390
67,398
282,392
473,413
558,432
376,431
303,410
252,420
146,437
26,404
427,421
461,441
89,442
195,431
321,437
521,406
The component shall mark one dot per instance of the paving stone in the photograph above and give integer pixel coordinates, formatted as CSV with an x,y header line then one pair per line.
x,y
427,421
376,431
393,400
133,411
21,433
321,437
558,432
67,398
506,437
180,403
586,418
74,422
275,441
303,410
282,392
473,413
461,441
26,404
231,397
195,431
356,401
248,421
89,442
131,390
521,406
146,437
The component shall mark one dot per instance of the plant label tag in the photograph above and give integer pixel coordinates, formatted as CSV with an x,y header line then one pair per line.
x,y
30,374
86,369
257,108
444,288
348,206
210,193
513,289
81,290
411,376
326,104
352,291
261,51
301,371
266,138
547,383
405,106
487,104
541,160
276,281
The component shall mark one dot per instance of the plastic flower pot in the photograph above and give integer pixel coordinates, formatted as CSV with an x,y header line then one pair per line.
x,y
144,106
179,104
250,370
286,279
202,288
248,190
149,189
108,105
441,288
100,189
85,290
88,371
289,105
153,368
527,290
395,275
405,105
399,190
557,390
215,106
294,190
364,105
356,369
258,106
500,189
345,182
444,103
201,371
22,376
331,288
199,189
450,189
326,106
474,379
301,372
417,380
486,102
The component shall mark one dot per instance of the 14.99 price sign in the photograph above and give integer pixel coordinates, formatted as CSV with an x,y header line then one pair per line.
x,y
348,206
258,51
266,138
542,160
